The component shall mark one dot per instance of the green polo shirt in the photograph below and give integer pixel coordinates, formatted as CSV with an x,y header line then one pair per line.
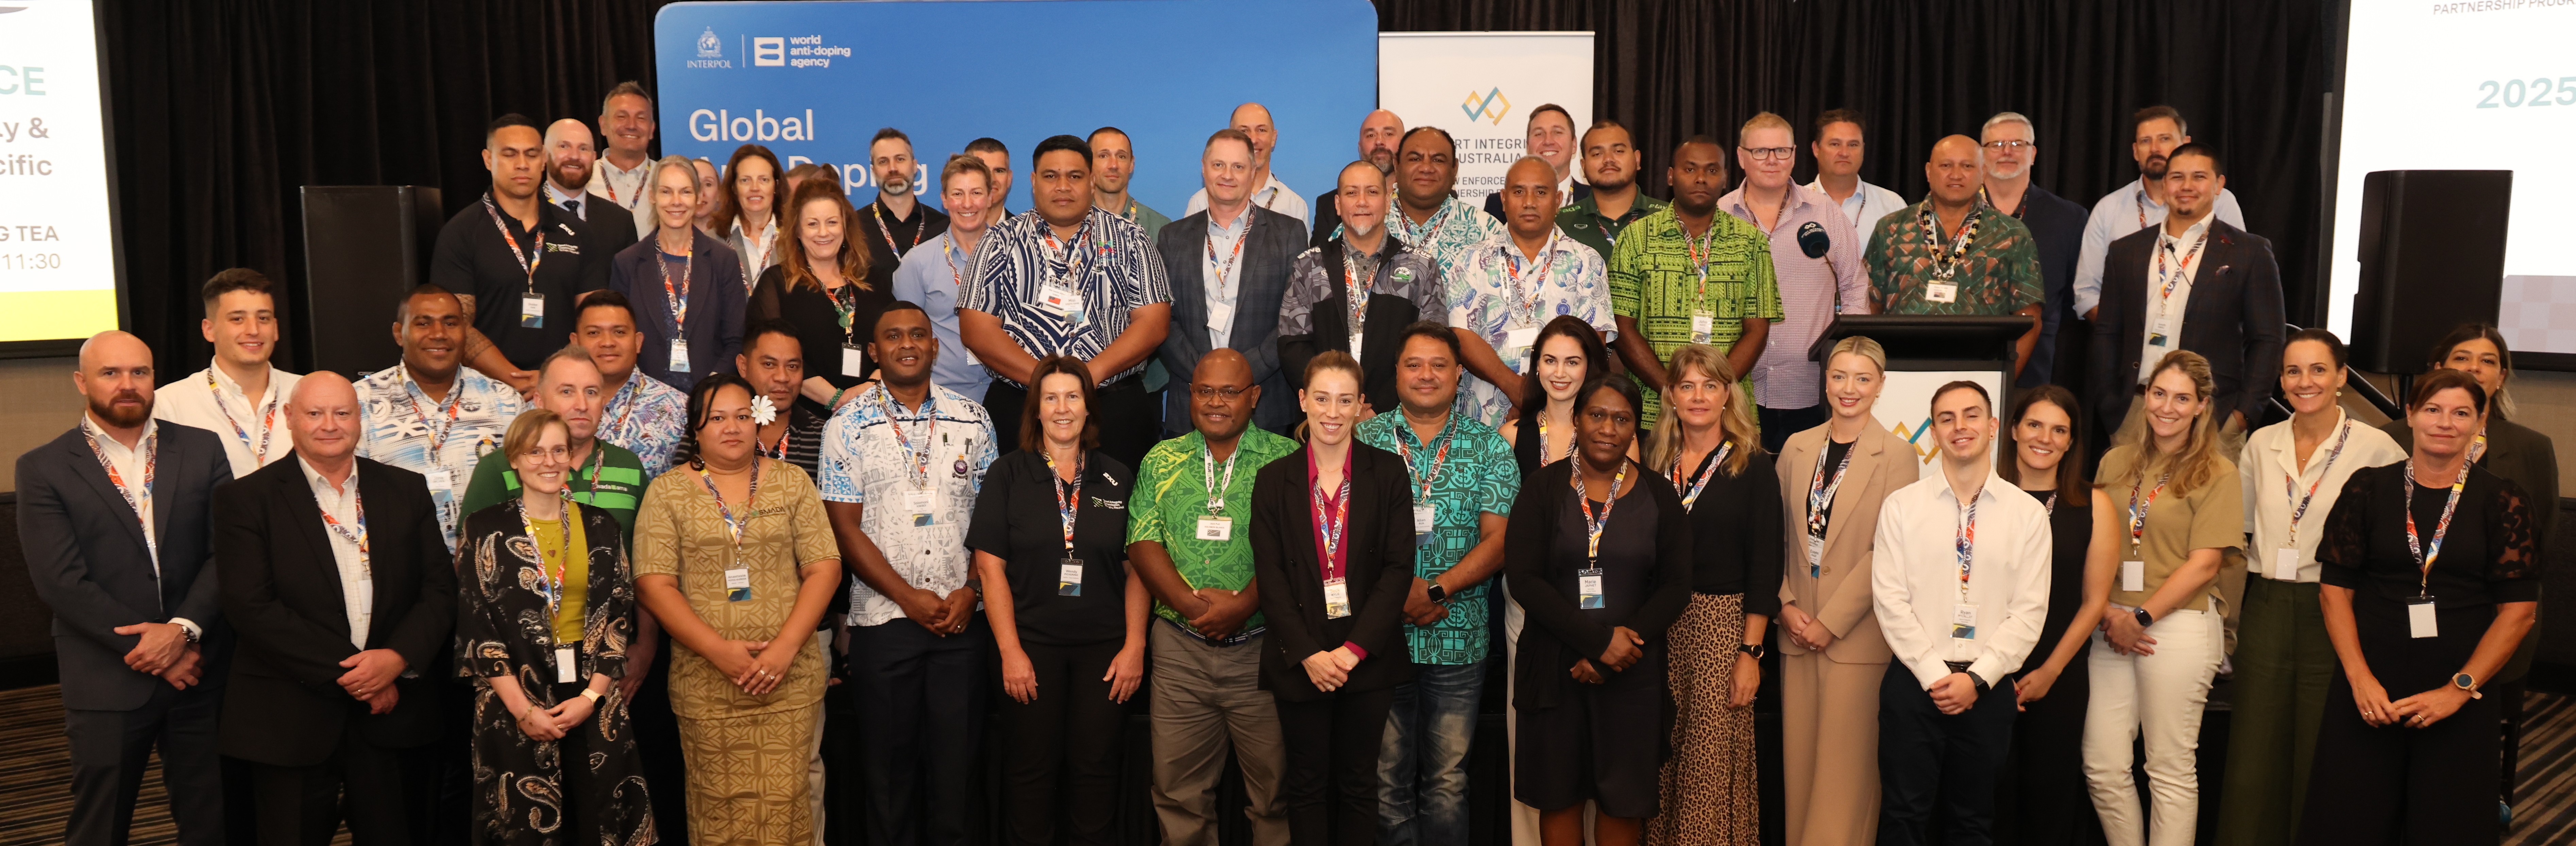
x,y
1654,281
1476,478
618,489
1582,220
1172,494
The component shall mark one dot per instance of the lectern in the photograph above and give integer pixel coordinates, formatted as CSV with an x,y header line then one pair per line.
x,y
1924,353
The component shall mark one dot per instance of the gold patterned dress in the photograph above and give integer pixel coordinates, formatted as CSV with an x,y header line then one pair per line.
x,y
746,755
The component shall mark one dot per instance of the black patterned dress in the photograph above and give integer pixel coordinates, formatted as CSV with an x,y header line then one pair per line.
x,y
585,788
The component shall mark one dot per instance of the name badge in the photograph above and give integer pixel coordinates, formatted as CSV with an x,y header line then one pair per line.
x,y
738,585
1963,621
1516,344
441,480
1355,346
1061,300
1337,598
532,310
680,355
2285,564
1941,292
2133,575
1068,577
2162,334
2420,622
1815,556
1703,325
1216,528
564,665
854,362
1220,316
920,504
1587,589
366,596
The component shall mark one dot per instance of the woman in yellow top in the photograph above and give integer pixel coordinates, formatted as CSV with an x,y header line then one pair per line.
x,y
734,556
547,694
2181,510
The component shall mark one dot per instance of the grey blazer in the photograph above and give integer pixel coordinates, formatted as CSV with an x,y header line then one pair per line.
x,y
86,553
1269,251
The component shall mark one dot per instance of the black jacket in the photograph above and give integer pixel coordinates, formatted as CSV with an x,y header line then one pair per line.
x,y
2057,228
718,299
1379,573
1558,633
86,555
1260,280
2233,318
284,705
1387,317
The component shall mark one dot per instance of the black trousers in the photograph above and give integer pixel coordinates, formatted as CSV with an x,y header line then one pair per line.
x,y
657,749
387,796
1330,788
1060,751
921,697
111,749
2398,784
1935,764
2040,797
1130,420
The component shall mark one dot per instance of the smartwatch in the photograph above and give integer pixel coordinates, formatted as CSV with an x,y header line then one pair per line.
x,y
1753,649
2145,619
1436,592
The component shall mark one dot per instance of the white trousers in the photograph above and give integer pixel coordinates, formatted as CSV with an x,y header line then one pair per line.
x,y
2161,697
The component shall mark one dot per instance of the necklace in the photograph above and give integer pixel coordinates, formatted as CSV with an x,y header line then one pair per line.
x,y
1945,262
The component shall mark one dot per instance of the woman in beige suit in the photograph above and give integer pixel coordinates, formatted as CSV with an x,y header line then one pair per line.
x,y
1832,479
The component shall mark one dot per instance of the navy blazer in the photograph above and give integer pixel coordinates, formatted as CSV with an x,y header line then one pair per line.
x,y
717,299
1270,250
2233,318
2057,227
86,555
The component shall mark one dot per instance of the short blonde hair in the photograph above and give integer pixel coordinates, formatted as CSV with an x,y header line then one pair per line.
x,y
527,429
1765,120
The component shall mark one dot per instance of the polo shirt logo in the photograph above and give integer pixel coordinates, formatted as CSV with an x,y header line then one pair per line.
x,y
1114,505
1403,274
561,247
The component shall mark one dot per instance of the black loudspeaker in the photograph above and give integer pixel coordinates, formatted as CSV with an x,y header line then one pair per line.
x,y
364,247
2432,258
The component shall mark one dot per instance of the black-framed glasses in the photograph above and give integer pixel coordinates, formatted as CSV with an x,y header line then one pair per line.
x,y
1227,393
1770,153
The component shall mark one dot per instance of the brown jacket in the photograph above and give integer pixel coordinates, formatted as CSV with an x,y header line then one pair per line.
x,y
1839,595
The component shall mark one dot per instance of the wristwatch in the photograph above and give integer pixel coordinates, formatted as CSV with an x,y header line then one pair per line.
x,y
2145,619
592,695
1753,649
1982,687
976,585
2468,683
1436,592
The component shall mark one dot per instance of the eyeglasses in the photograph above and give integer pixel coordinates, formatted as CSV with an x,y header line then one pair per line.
x,y
1770,153
1227,393
556,453
2010,145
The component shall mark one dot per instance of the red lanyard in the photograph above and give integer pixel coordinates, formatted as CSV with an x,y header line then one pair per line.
x,y
2424,556
679,299
733,526
525,263
1070,251
1967,540
1227,269
2180,268
1440,458
151,468
1068,498
878,210
1332,516
2138,511
920,455
359,538
1525,300
437,434
1592,528
554,578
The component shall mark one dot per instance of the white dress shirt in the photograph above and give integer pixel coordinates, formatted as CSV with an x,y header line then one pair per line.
x,y
2180,262
357,577
130,473
1914,577
253,429
2118,215
2271,469
626,188
1221,275
1273,195
1864,207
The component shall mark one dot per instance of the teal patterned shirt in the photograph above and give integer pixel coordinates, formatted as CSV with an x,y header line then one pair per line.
x,y
1479,477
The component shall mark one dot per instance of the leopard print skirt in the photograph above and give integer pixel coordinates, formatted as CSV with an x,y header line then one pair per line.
x,y
1709,794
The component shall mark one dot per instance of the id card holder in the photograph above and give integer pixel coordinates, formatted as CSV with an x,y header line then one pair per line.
x,y
1337,598
2285,564
2133,575
1216,529
680,355
532,310
854,362
1941,292
738,584
1068,577
441,479
1063,301
564,665
1587,589
1516,348
1963,621
1355,346
1703,325
2420,622
2162,334
919,504
1220,316
1425,518
1815,556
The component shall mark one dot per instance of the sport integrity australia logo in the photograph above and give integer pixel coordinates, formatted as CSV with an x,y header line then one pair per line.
x,y
1490,106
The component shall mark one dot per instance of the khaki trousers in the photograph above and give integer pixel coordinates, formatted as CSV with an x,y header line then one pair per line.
x,y
1829,755
2229,599
1206,699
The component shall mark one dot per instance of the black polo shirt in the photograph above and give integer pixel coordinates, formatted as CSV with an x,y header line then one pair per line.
x,y
473,259
1016,520
903,235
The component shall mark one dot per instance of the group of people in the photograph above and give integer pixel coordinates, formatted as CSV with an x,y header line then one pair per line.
x,y
936,464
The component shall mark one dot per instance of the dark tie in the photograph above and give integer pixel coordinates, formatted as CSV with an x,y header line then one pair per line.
x,y
574,206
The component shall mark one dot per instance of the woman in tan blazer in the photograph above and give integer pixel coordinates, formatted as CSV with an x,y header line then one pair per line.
x,y
1831,653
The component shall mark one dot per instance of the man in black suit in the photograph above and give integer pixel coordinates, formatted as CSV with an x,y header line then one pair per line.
x,y
341,603
2195,284
2057,227
113,515
1380,133
569,158
1229,270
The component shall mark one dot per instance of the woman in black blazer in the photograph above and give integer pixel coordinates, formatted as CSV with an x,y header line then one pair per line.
x,y
1591,698
1335,618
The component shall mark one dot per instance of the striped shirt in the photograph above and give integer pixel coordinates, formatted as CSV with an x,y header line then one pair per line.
x,y
1816,260
1115,271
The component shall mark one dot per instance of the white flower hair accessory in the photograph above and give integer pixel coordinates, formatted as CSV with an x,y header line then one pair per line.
x,y
762,411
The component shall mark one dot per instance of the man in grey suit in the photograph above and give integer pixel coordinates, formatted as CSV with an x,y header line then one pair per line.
x,y
114,517
1229,270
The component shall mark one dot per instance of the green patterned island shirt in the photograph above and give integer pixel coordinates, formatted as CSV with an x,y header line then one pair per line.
x,y
1997,272
1655,280
1172,494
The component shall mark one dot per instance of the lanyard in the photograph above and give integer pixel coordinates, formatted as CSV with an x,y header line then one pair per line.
x,y
845,310
2292,482
1332,520
1592,528
734,526
2138,511
359,538
878,209
598,462
1715,461
553,579
438,433
1215,490
2478,446
2165,297
768,238
1355,294
921,454
1071,250
784,436
1227,269
1820,491
679,299
267,425
948,250
1068,498
1543,460
1699,251
1967,541
1129,214
525,264
1525,299
151,468
632,396
1439,458
2424,555
1945,262
1429,230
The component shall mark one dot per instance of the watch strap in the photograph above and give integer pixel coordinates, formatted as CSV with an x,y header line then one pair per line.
x,y
1436,592
2145,619
592,695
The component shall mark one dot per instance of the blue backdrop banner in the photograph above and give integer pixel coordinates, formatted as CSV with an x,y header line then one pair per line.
x,y
813,81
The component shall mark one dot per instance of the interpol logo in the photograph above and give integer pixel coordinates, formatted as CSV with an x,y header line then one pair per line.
x,y
1491,106
709,46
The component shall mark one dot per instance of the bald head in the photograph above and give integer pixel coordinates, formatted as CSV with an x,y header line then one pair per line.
x,y
115,376
1529,198
322,416
1222,396
569,153
1380,134
1253,120
1955,170
114,345
322,389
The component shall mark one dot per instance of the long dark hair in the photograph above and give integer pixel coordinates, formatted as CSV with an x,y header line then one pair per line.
x,y
702,395
2070,463
731,209
1596,364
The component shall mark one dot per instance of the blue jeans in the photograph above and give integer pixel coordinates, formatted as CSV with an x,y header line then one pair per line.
x,y
1427,733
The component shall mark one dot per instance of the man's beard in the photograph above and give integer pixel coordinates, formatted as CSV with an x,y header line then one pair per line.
x,y
108,411
2155,167
1616,183
894,185
1383,160
1357,229
575,188
2015,173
